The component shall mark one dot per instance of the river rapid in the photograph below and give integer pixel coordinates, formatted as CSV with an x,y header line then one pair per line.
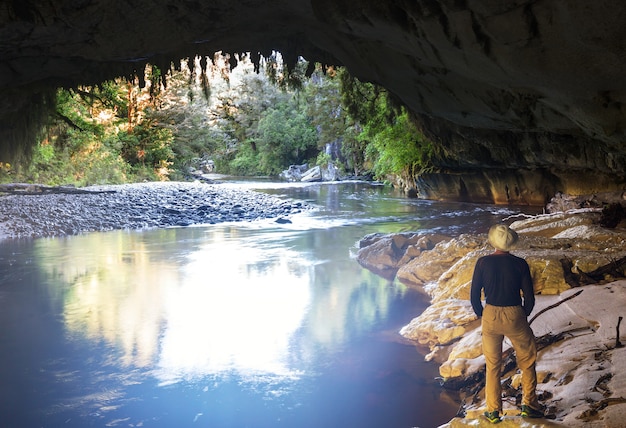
x,y
238,304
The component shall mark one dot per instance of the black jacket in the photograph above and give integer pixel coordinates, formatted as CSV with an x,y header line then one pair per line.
x,y
502,276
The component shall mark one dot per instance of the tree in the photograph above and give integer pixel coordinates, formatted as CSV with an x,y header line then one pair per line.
x,y
286,137
397,149
336,128
249,118
390,138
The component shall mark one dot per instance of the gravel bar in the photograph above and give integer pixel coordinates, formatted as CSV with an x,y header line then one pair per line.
x,y
136,206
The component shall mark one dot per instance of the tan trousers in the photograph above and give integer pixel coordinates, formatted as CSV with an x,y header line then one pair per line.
x,y
509,321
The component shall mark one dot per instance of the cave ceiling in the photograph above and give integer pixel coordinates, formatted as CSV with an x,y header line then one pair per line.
x,y
473,70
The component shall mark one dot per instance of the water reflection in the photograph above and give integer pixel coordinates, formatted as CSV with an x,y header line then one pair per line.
x,y
254,324
235,309
191,303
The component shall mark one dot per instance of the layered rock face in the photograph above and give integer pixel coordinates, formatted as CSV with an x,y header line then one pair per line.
x,y
578,273
522,98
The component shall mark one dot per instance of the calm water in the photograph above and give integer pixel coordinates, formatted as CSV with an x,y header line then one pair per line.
x,y
235,325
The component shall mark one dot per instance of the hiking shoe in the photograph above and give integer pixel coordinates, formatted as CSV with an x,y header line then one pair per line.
x,y
529,412
493,417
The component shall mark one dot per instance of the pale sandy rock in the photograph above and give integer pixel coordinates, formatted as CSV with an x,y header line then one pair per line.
x,y
440,323
615,414
583,231
549,225
419,271
466,356
547,274
455,283
583,373
469,347
460,367
430,265
589,353
380,256
579,371
587,236
386,254
411,252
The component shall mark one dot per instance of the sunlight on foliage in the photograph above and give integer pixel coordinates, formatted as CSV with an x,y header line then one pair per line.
x,y
239,117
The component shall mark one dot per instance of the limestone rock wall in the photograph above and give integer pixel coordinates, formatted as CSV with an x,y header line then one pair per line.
x,y
517,167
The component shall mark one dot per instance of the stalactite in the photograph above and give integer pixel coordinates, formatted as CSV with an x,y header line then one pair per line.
x,y
141,77
290,60
206,87
203,64
232,61
191,63
255,57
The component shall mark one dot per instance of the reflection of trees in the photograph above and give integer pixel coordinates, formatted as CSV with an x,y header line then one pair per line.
x,y
348,300
112,290
195,302
183,299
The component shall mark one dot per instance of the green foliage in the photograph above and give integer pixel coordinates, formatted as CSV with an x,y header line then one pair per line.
x,y
93,164
285,138
323,159
246,162
353,149
396,149
155,76
392,143
324,107
247,121
89,140
262,124
113,95
73,149
364,102
291,75
147,144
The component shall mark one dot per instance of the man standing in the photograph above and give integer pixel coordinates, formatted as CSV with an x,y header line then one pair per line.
x,y
505,279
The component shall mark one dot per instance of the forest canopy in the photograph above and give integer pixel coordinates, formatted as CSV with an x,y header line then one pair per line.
x,y
237,116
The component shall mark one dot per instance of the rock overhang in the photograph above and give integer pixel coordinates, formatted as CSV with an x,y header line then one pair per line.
x,y
549,74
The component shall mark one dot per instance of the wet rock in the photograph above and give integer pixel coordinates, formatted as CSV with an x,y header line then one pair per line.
x,y
441,323
444,271
429,266
451,330
313,174
385,254
294,172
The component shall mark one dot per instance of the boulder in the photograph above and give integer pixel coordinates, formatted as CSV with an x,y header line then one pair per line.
x,y
294,172
428,266
441,323
313,174
385,254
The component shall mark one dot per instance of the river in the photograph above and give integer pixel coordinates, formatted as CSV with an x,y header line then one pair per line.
x,y
252,324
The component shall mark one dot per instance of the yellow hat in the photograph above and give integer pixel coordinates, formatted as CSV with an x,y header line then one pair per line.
x,y
502,237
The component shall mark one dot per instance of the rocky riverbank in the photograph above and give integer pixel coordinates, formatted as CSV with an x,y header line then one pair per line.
x,y
581,365
135,206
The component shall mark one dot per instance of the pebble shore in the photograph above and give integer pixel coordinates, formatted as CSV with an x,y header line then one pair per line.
x,y
136,206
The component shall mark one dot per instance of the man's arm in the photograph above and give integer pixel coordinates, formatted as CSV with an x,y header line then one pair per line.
x,y
475,290
528,290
